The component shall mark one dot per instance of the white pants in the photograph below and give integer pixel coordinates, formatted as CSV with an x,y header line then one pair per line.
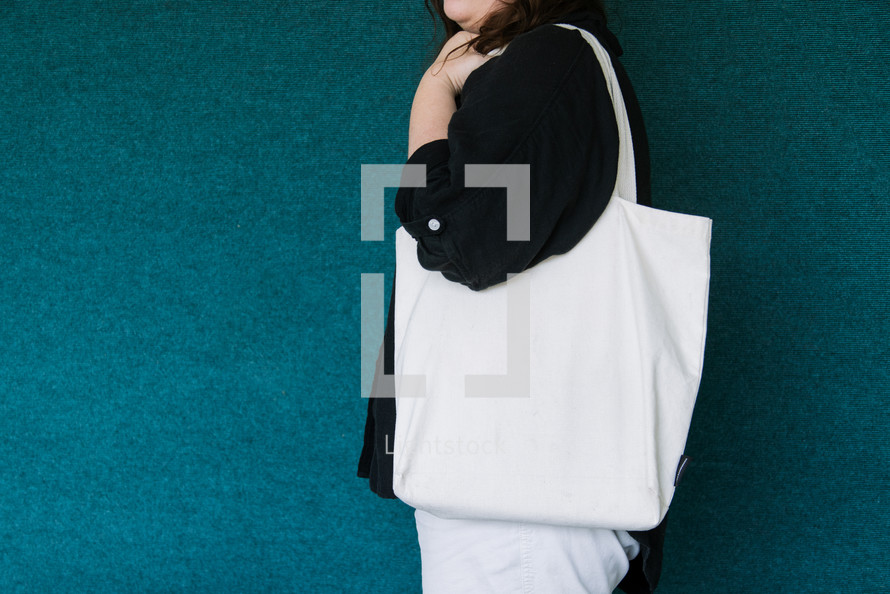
x,y
481,556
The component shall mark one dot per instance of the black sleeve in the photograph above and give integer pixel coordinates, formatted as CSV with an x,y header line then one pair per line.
x,y
543,102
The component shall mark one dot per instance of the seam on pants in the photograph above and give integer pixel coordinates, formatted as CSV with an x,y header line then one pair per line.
x,y
525,559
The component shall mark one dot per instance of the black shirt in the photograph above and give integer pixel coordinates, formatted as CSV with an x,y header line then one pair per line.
x,y
542,102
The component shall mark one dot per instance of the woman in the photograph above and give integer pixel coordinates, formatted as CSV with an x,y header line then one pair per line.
x,y
511,87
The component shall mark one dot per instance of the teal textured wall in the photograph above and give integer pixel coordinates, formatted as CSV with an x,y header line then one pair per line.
x,y
180,266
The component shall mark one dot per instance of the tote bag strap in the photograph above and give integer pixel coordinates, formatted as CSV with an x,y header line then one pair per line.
x,y
626,182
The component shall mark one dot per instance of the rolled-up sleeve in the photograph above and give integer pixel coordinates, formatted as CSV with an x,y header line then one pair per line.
x,y
542,103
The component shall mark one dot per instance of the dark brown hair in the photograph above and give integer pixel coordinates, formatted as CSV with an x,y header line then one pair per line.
x,y
514,18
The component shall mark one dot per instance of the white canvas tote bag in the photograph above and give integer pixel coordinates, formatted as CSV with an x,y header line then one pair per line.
x,y
565,394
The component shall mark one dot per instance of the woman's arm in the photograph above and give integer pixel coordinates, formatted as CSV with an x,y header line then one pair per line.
x,y
434,101
542,103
